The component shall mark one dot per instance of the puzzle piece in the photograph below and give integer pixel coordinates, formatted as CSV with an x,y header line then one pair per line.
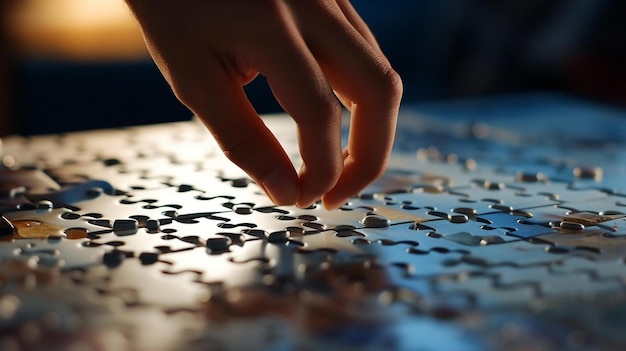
x,y
543,216
55,252
561,192
613,223
617,226
214,268
520,253
180,199
398,180
593,241
413,235
516,224
468,232
499,197
116,175
611,184
142,242
609,205
423,203
402,211
447,174
105,209
73,194
43,223
330,241
202,229
312,219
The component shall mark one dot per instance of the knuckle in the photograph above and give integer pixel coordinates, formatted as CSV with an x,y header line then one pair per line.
x,y
321,115
392,83
329,110
325,112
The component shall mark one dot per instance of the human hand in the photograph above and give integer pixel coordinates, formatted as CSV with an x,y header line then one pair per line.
x,y
310,51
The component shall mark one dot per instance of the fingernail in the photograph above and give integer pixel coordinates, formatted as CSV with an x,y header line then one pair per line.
x,y
280,188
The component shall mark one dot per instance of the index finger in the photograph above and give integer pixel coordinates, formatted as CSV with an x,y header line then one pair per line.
x,y
218,99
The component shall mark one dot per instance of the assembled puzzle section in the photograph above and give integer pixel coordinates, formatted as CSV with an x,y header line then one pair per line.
x,y
480,236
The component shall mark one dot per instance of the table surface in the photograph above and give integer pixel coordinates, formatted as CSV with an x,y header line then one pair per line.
x,y
500,224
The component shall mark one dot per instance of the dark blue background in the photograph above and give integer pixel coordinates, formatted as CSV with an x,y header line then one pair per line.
x,y
445,49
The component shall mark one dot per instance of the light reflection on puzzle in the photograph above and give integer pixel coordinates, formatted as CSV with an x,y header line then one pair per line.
x,y
147,238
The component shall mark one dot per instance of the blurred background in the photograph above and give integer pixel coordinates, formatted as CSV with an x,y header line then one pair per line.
x,y
81,64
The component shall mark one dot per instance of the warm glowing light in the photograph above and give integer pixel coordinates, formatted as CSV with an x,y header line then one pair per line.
x,y
82,29
74,13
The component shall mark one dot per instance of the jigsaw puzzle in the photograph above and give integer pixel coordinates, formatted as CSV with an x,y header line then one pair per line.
x,y
482,235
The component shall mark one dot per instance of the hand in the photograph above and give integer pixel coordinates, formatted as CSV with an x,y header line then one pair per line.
x,y
309,50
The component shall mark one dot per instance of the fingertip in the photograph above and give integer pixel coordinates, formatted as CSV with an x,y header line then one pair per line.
x,y
306,200
314,183
357,175
305,205
281,188
331,203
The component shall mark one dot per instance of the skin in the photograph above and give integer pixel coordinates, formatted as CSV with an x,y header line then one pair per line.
x,y
314,53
